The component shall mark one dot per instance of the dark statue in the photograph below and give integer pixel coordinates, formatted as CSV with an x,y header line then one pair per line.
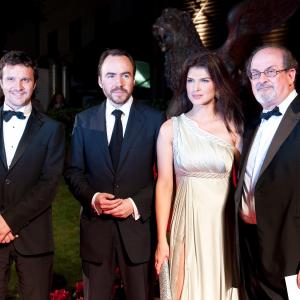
x,y
177,36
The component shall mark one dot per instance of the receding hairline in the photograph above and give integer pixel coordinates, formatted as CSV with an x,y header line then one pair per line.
x,y
284,52
269,48
115,52
113,56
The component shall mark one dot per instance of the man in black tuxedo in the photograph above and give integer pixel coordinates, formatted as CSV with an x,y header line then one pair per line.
x,y
31,161
111,174
268,191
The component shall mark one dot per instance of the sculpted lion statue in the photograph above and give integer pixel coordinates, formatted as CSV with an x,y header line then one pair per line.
x,y
177,36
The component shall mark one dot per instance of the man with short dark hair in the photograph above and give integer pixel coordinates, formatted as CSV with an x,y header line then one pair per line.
x,y
268,191
31,162
111,174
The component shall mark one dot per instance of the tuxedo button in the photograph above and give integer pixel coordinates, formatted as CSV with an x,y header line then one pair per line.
x,y
116,186
7,181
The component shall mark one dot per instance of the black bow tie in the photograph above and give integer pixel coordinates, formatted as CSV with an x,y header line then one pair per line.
x,y
274,112
7,115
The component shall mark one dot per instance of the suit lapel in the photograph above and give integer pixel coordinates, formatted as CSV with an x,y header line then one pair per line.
x,y
287,124
2,148
100,124
33,125
247,143
136,122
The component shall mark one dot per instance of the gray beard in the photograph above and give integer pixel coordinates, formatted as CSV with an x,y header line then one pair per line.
x,y
265,97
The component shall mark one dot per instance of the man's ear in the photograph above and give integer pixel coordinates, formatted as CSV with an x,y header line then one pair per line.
x,y
292,75
100,81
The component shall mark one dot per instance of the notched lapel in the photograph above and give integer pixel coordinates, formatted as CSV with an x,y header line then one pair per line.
x,y
134,126
2,148
287,124
100,123
33,125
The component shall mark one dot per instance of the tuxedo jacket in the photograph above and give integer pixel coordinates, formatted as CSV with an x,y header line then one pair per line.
x,y
28,187
90,170
277,197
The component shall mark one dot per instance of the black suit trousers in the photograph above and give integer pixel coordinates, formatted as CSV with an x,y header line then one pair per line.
x,y
34,273
256,284
99,278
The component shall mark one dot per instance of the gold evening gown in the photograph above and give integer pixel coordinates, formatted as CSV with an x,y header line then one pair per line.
x,y
203,164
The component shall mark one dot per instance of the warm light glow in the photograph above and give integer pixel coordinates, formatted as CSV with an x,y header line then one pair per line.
x,y
203,12
277,36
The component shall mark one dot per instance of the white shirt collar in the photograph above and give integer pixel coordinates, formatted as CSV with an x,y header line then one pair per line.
x,y
283,106
26,109
125,108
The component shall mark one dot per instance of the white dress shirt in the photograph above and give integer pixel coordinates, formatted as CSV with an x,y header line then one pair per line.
x,y
259,149
110,122
13,131
110,118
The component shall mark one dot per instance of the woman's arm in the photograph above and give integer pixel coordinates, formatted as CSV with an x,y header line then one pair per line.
x,y
164,189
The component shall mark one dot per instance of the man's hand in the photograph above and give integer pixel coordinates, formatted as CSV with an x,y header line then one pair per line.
x,y
298,279
105,202
8,238
5,232
122,210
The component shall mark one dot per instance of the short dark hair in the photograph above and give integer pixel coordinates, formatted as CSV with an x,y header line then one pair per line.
x,y
15,57
115,52
289,61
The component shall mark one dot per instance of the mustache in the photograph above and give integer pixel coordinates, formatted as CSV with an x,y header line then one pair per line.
x,y
260,86
119,90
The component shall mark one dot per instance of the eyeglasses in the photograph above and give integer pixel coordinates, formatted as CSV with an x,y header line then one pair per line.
x,y
269,73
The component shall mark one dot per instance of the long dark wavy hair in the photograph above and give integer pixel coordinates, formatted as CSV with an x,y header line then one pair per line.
x,y
227,101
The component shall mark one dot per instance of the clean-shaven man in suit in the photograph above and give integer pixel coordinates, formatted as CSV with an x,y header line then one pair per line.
x,y
268,191
111,174
31,162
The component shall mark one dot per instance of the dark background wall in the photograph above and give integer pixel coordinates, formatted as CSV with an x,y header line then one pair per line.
x,y
73,33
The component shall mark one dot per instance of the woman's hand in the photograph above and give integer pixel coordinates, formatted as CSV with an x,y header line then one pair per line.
x,y
161,254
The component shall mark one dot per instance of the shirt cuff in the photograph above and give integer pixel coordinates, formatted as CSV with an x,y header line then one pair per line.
x,y
135,213
97,210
